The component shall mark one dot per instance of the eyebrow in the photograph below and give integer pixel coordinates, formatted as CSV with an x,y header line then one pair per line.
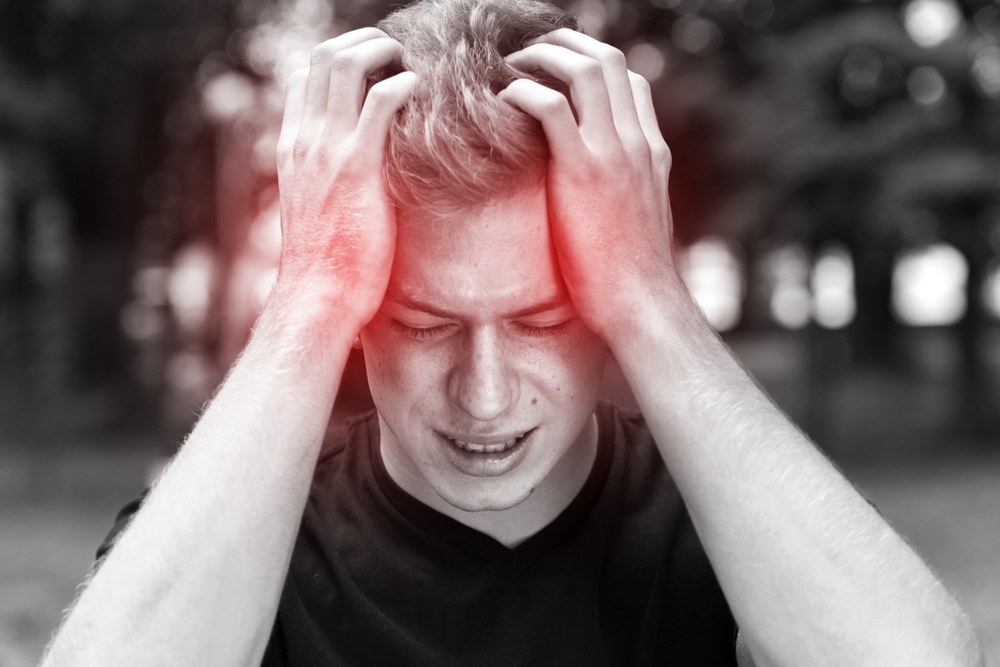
x,y
413,303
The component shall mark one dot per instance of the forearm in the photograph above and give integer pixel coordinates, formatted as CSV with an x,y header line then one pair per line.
x,y
196,577
813,574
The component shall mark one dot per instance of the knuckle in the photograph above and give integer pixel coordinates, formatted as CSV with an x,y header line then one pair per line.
x,y
299,149
613,56
322,51
555,104
639,83
662,156
297,77
379,94
323,152
638,147
281,159
591,69
343,61
282,151
369,32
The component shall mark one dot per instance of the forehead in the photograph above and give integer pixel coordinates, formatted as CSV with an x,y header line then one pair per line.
x,y
501,257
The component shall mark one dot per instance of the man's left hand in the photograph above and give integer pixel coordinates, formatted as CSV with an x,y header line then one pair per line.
x,y
607,182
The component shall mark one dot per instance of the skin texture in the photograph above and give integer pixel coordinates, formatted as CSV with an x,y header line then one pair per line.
x,y
812,573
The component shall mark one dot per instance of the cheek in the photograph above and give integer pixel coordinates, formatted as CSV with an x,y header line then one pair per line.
x,y
587,359
382,361
573,368
398,374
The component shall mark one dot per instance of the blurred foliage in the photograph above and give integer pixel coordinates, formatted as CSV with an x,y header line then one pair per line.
x,y
147,126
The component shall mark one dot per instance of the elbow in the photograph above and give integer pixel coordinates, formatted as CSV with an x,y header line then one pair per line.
x,y
954,641
966,642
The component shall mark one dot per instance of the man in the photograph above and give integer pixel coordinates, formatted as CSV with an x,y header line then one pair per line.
x,y
490,514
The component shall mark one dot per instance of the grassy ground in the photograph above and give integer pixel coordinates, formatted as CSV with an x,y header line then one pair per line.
x,y
55,510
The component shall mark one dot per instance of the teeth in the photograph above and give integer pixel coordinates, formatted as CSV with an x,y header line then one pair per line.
x,y
487,449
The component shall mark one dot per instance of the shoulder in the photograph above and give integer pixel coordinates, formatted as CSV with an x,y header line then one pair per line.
x,y
629,427
345,441
643,474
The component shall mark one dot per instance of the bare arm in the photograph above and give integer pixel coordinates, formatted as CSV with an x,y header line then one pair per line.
x,y
813,574
196,578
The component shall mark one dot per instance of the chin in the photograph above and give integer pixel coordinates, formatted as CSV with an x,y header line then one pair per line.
x,y
492,501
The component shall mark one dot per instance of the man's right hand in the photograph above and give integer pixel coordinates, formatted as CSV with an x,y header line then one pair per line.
x,y
196,577
338,228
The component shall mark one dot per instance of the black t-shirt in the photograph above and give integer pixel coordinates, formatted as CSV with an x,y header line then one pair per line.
x,y
619,578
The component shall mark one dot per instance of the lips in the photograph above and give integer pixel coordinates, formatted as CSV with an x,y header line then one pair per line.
x,y
485,456
483,448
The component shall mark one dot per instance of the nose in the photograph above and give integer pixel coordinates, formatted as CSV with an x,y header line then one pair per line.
x,y
482,384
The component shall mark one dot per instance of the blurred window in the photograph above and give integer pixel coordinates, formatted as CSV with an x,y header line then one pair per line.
x,y
833,287
714,274
928,286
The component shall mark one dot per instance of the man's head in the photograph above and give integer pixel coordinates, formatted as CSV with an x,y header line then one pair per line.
x,y
477,346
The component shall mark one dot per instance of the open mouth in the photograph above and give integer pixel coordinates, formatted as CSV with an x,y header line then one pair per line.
x,y
477,448
486,459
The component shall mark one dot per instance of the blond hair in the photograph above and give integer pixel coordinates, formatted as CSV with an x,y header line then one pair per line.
x,y
456,146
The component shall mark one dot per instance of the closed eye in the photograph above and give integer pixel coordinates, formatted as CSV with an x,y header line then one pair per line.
x,y
420,333
534,332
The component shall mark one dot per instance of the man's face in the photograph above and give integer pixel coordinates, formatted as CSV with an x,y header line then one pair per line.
x,y
483,375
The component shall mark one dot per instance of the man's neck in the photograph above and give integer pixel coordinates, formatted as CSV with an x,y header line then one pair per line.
x,y
513,526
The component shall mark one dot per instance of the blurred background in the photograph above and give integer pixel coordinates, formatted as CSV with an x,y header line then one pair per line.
x,y
836,190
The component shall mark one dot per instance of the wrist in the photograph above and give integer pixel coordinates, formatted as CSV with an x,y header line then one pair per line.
x,y
665,344
653,317
311,321
314,303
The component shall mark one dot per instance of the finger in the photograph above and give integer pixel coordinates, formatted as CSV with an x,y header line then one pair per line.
x,y
318,85
552,110
295,102
348,81
612,62
659,151
586,84
646,112
384,99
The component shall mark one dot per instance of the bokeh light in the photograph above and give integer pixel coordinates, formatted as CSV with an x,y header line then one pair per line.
x,y
929,286
985,71
789,272
990,291
696,35
834,303
646,59
932,22
926,86
713,273
283,39
189,288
